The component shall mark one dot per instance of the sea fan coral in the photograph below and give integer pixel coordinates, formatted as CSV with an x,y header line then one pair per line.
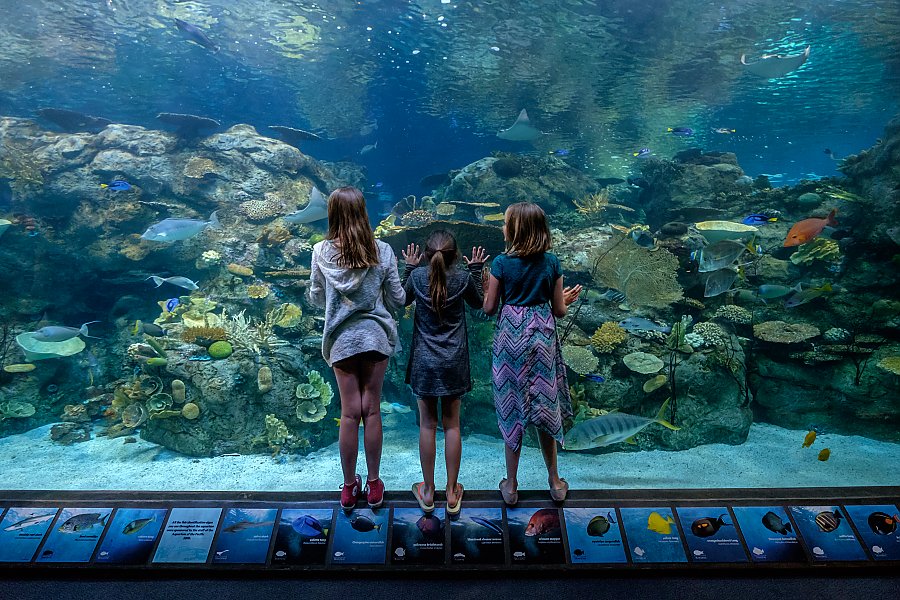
x,y
646,278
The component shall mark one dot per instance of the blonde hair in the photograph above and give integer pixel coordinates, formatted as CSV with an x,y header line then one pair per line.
x,y
349,229
527,232
441,253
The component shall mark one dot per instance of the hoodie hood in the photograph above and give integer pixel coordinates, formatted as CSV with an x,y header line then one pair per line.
x,y
345,281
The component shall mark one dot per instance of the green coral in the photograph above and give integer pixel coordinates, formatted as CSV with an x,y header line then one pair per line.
x,y
579,359
276,432
607,337
307,391
820,248
14,409
326,393
221,349
313,397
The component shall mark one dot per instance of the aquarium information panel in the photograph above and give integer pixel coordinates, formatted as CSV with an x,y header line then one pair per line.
x,y
482,535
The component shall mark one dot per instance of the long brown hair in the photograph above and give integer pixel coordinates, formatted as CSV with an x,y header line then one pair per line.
x,y
349,229
441,254
527,232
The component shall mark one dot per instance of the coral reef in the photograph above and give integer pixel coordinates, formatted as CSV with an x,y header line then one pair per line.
x,y
607,337
220,349
780,332
643,363
712,334
580,359
646,278
822,249
15,409
203,336
734,314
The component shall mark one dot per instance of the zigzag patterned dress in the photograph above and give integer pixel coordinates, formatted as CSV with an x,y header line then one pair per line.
x,y
528,371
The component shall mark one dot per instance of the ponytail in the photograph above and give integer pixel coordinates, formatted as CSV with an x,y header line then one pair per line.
x,y
441,254
437,282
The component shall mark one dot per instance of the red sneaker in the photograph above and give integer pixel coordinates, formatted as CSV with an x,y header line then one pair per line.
x,y
350,494
375,493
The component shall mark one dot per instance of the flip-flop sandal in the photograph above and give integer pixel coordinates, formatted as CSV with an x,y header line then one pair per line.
x,y
559,494
454,509
421,499
511,498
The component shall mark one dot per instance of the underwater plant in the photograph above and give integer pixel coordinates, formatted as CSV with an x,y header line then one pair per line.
x,y
255,337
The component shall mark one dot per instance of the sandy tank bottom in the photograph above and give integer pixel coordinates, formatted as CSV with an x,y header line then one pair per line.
x,y
771,457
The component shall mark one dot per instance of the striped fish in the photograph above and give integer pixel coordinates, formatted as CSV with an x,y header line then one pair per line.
x,y
828,521
611,428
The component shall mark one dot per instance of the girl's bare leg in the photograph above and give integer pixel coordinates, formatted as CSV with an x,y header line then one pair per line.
x,y
452,445
427,444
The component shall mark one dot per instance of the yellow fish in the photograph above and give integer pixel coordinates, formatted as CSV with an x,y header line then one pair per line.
x,y
824,454
809,439
656,522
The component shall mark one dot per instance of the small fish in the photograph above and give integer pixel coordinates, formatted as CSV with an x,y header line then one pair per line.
x,y
660,525
634,324
171,303
151,329
174,230
116,185
600,525
242,525
806,230
363,523
717,256
30,522
182,282
709,526
489,524
828,521
642,153
61,333
595,378
719,282
724,130
368,148
681,131
808,295
882,523
201,357
137,525
809,439
543,521
775,524
559,152
82,522
824,454
307,526
378,185
643,238
830,154
196,35
758,219
430,525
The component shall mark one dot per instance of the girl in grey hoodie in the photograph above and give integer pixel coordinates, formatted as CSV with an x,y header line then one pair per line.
x,y
354,277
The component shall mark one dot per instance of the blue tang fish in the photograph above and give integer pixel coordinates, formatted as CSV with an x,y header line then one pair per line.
x,y
642,153
116,185
307,526
171,303
681,131
758,219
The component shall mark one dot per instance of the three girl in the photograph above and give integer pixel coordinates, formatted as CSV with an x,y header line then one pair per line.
x,y
355,278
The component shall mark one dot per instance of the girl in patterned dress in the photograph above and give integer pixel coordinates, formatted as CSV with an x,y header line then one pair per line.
x,y
529,376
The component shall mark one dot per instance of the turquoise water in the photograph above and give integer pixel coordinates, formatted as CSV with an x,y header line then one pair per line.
x,y
650,142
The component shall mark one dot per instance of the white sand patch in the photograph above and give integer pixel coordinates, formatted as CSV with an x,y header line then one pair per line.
x,y
771,457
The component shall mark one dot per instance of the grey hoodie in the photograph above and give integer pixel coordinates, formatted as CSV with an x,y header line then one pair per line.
x,y
358,303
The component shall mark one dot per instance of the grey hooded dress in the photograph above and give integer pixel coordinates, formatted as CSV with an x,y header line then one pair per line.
x,y
439,352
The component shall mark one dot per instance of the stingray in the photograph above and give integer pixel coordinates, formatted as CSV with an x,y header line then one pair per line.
x,y
188,125
315,210
772,66
521,131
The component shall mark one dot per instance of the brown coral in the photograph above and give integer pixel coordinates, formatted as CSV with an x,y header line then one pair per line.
x,y
241,270
779,332
272,236
203,336
257,292
646,278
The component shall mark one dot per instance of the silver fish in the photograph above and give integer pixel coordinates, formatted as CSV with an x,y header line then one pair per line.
x,y
634,324
173,230
315,210
719,255
611,428
137,525
30,521
719,282
368,148
82,522
242,525
60,333
183,282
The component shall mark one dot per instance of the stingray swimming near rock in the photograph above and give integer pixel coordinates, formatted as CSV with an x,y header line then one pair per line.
x,y
73,121
315,210
772,66
521,130
293,136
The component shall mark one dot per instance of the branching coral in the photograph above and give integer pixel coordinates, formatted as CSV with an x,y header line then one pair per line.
x,y
256,337
596,204
820,248
646,278
203,336
607,337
